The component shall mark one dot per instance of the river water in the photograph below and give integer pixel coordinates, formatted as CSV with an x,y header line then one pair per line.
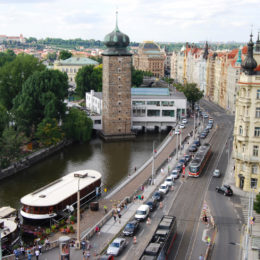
x,y
114,160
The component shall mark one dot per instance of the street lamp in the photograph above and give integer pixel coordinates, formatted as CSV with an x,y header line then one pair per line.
x,y
153,164
78,213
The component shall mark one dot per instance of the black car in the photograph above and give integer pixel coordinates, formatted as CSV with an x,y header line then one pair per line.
x,y
182,161
157,196
193,148
197,142
203,135
206,130
225,189
152,204
131,228
187,158
178,167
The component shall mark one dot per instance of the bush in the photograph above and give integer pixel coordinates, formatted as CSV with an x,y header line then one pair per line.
x,y
72,218
48,231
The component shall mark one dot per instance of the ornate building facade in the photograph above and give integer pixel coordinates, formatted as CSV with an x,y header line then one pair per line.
x,y
150,57
246,144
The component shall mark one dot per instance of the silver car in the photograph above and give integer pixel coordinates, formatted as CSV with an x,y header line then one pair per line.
x,y
117,246
216,173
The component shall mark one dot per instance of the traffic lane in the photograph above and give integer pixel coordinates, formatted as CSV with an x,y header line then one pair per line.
x,y
188,216
144,235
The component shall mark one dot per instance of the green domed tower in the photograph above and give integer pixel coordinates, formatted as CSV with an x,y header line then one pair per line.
x,y
116,97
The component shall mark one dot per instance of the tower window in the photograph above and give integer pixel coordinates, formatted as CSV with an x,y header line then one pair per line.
x,y
119,78
119,70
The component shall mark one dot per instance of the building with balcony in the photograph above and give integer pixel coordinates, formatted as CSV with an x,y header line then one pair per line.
x,y
246,143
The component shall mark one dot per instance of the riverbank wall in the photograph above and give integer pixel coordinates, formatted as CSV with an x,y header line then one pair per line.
x,y
31,159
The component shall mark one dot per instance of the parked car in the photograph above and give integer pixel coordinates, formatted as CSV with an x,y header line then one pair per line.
x,y
205,115
203,135
178,167
206,130
175,174
182,161
177,131
142,212
193,148
184,121
197,142
209,126
157,196
216,173
169,181
181,126
187,158
117,246
131,228
225,189
152,204
164,188
211,121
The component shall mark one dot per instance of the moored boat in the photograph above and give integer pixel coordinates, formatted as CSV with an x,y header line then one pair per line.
x,y
53,199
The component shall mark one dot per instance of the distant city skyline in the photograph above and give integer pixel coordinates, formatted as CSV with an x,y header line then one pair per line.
x,y
161,21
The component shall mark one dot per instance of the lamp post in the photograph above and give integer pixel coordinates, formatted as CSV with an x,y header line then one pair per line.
x,y
153,165
78,216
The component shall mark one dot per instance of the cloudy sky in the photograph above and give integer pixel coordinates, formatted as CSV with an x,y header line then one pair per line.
x,y
158,20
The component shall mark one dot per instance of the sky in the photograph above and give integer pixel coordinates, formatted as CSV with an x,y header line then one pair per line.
x,y
141,20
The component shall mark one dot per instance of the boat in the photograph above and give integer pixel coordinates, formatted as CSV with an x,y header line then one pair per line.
x,y
10,228
52,200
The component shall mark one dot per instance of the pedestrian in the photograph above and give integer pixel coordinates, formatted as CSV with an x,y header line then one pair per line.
x,y
16,253
47,243
142,197
22,250
118,210
29,255
114,216
88,254
208,241
83,244
40,248
85,255
88,245
201,257
105,209
37,253
119,218
135,169
162,171
97,229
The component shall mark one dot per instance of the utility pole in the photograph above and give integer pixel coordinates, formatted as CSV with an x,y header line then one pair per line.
x,y
78,216
153,165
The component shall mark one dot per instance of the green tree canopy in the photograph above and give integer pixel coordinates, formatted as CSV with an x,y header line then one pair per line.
x,y
52,56
4,119
137,77
7,56
89,77
77,125
13,74
64,54
192,93
48,132
257,203
42,96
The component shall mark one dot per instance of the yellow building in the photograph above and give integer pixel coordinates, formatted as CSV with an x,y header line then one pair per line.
x,y
246,146
72,65
150,57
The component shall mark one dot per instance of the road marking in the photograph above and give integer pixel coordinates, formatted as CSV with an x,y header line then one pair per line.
x,y
180,241
141,232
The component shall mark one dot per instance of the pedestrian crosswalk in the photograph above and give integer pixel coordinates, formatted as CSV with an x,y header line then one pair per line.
x,y
245,204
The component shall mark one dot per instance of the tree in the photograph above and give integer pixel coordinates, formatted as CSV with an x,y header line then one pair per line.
x,y
64,55
52,56
88,77
137,77
10,143
7,56
48,132
77,125
96,58
4,119
13,74
257,203
42,96
192,93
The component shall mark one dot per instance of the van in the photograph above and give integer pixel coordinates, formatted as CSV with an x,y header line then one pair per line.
x,y
142,212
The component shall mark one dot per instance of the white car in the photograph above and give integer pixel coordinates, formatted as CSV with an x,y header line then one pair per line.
x,y
117,246
175,174
181,126
169,181
164,188
216,173
184,121
177,131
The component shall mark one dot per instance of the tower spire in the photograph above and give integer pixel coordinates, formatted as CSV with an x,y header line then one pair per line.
x,y
117,29
257,45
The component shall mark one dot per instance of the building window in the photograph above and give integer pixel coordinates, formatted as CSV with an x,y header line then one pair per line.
x,y
254,169
257,112
258,94
119,78
119,70
168,113
253,183
257,131
167,103
153,103
255,150
153,112
138,103
240,130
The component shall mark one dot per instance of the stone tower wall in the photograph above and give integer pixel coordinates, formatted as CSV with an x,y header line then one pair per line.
x,y
116,111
